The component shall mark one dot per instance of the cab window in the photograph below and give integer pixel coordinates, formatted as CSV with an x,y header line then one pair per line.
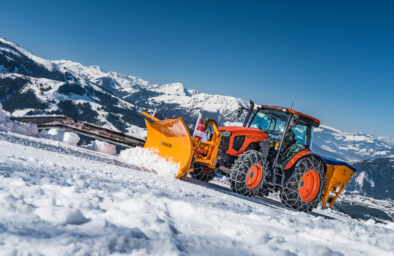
x,y
302,133
270,120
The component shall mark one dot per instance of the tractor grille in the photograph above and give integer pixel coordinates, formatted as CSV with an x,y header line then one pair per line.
x,y
238,142
224,143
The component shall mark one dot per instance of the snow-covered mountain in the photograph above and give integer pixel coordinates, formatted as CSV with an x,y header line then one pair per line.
x,y
333,143
32,85
374,178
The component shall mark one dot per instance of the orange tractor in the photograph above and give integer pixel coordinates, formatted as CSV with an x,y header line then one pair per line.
x,y
270,153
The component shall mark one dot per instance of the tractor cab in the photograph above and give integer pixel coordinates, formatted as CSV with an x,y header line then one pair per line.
x,y
274,122
288,130
277,121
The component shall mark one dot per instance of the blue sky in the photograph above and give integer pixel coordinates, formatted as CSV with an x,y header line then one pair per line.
x,y
332,59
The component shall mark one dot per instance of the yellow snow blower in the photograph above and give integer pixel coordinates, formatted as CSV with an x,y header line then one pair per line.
x,y
171,139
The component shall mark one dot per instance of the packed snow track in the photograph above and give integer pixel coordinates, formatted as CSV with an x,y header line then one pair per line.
x,y
57,199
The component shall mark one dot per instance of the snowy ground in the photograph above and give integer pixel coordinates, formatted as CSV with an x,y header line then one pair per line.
x,y
56,199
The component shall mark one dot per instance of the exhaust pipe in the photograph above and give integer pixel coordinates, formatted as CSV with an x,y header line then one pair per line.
x,y
251,107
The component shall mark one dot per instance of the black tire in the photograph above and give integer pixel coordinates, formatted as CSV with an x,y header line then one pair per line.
x,y
202,172
291,195
239,171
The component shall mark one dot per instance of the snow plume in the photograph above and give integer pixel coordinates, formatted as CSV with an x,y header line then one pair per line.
x,y
147,159
7,125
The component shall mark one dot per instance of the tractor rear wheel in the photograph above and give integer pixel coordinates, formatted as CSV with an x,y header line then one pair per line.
x,y
247,173
202,172
304,189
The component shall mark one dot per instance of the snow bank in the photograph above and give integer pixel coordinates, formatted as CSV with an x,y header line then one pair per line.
x,y
7,125
147,159
104,147
76,218
71,138
61,135
29,129
53,134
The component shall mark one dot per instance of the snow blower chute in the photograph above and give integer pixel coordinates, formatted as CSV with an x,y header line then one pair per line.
x,y
171,139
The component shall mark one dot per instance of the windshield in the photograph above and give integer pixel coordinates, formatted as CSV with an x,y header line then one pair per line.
x,y
269,120
274,121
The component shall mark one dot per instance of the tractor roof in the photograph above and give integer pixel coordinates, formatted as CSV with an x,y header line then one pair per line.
x,y
314,120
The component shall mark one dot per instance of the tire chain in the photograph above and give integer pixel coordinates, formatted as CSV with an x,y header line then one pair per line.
x,y
290,195
239,170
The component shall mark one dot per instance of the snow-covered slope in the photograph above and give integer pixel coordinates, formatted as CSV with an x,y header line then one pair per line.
x,y
58,199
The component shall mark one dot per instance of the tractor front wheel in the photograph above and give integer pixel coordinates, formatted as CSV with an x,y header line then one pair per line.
x,y
304,189
247,173
202,172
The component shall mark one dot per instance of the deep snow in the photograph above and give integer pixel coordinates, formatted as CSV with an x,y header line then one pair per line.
x,y
59,199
